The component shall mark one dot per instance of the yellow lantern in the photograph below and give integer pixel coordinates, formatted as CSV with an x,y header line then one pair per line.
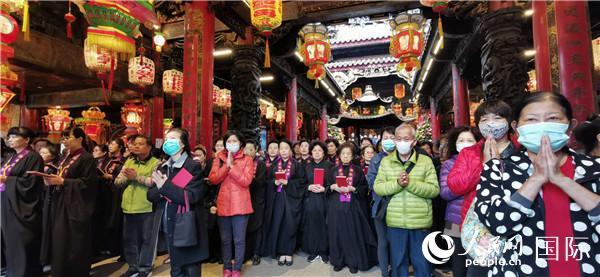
x,y
101,61
132,116
271,113
315,50
266,15
406,42
172,82
141,71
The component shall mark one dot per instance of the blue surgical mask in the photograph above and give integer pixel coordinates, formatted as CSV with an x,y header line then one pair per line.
x,y
388,145
171,147
233,147
530,135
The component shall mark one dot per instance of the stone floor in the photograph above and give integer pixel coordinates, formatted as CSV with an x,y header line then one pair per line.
x,y
268,267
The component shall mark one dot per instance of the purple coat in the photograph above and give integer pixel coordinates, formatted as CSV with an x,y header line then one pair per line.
x,y
453,209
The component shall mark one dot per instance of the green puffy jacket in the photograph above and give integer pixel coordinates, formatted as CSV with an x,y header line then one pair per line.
x,y
134,196
410,206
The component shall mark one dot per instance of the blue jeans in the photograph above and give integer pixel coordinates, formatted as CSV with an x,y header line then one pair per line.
x,y
233,228
406,244
383,252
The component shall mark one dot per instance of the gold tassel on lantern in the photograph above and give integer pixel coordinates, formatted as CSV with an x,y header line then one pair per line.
x,y
25,28
441,31
267,54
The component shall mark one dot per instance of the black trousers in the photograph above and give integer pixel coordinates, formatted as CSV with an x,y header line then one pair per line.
x,y
139,241
190,270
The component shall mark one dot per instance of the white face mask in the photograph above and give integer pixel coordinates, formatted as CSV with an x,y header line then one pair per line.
x,y
62,147
404,147
463,145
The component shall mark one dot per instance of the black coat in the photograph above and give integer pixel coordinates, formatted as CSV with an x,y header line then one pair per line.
x,y
181,256
257,196
22,217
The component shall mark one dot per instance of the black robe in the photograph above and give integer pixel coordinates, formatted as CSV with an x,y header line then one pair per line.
x,y
72,207
314,214
351,240
22,217
283,211
210,200
255,221
50,168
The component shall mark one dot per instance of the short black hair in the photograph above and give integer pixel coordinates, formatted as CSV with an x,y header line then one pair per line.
x,y
23,132
288,142
586,133
145,138
78,133
53,151
184,137
103,147
255,144
367,139
318,143
362,150
237,134
214,148
303,141
273,141
119,142
535,97
497,107
334,141
453,137
41,139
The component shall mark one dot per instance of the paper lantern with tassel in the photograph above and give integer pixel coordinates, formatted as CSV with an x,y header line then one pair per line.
x,y
438,7
132,116
101,61
266,15
55,122
406,42
172,82
141,70
315,50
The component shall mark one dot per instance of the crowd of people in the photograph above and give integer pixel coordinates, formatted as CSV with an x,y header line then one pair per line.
x,y
352,206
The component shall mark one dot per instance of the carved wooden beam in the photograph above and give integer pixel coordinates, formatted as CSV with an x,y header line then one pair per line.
x,y
76,98
226,14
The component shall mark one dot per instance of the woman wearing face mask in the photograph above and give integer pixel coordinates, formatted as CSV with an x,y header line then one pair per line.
x,y
21,195
171,195
234,172
72,206
547,190
314,214
459,138
286,184
351,241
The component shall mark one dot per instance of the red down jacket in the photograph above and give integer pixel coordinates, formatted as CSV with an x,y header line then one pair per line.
x,y
466,174
234,193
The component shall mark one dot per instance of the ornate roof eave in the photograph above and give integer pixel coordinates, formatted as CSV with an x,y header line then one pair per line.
x,y
389,118
368,100
345,78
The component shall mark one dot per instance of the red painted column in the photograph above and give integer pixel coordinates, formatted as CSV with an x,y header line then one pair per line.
x,y
198,72
158,110
542,49
291,109
461,98
435,120
575,57
323,124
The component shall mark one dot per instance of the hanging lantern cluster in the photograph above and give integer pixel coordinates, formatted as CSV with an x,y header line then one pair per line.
x,y
55,122
399,91
103,62
93,123
131,116
356,93
221,97
438,7
172,82
266,15
141,70
406,42
271,113
315,50
9,25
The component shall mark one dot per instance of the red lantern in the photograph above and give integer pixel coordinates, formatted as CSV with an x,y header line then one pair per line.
x,y
266,15
356,93
131,116
93,123
399,91
315,50
172,82
406,42
55,122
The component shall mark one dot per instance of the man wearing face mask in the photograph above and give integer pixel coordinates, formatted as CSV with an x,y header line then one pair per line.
x,y
410,180
388,145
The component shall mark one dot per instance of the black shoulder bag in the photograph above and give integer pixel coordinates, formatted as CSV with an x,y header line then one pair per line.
x,y
184,233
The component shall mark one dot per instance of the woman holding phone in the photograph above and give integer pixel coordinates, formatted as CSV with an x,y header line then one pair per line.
x,y
314,217
351,240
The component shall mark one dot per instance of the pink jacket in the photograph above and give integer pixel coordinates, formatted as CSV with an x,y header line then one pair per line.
x,y
234,194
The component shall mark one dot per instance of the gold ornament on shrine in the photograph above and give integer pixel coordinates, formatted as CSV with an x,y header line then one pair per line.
x,y
315,50
93,123
266,15
399,91
406,42
356,93
55,122
5,97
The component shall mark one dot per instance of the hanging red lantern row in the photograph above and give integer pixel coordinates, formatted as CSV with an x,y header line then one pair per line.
x,y
399,91
131,117
356,93
315,50
266,15
172,83
55,122
141,70
93,123
438,7
406,42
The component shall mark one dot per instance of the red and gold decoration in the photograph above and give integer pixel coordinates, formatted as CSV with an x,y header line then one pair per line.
x,y
131,116
280,117
532,82
167,125
5,97
8,35
315,50
221,97
266,15
399,91
438,7
141,70
356,93
172,82
55,122
406,42
103,62
93,124
271,113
